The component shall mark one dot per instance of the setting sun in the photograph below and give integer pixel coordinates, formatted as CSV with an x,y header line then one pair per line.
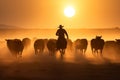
x,y
69,11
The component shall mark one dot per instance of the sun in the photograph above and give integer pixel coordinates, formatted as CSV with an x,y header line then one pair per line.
x,y
69,11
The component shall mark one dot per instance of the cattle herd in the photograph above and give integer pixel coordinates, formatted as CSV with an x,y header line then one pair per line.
x,y
16,46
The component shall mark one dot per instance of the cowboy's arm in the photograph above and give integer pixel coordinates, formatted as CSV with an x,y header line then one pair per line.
x,y
66,34
57,33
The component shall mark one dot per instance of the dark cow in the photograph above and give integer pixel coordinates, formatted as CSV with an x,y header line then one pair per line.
x,y
118,41
111,45
39,46
15,46
26,42
81,44
97,44
111,49
51,45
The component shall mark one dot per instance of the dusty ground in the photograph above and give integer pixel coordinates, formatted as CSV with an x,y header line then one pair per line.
x,y
50,68
45,67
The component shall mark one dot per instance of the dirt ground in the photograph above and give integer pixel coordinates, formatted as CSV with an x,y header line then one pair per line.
x,y
50,68
45,67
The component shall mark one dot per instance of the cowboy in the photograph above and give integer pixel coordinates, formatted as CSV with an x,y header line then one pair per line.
x,y
61,32
61,42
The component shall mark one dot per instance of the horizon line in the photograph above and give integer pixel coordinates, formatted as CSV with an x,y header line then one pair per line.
x,y
57,28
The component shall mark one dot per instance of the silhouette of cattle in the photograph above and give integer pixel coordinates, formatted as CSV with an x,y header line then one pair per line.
x,y
110,45
15,46
81,44
111,49
26,42
118,41
51,45
39,46
97,45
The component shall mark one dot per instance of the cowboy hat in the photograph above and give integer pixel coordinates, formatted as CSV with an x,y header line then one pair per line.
x,y
60,26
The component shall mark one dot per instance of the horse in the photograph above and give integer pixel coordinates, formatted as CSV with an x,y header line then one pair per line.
x,y
61,45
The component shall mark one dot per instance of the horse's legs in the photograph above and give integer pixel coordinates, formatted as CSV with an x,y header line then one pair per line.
x,y
62,52
20,53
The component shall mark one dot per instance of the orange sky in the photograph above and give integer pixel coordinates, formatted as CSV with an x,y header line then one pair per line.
x,y
50,13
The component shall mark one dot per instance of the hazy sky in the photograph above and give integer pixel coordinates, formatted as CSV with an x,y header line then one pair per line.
x,y
50,13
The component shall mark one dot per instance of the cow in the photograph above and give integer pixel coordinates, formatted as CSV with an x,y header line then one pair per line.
x,y
118,41
15,46
51,45
39,46
81,44
112,49
97,45
26,42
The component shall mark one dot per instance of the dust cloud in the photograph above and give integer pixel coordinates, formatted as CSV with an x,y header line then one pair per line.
x,y
28,55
